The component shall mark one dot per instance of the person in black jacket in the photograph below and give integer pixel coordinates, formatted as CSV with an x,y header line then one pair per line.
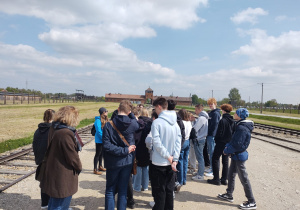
x,y
213,120
40,144
223,136
141,179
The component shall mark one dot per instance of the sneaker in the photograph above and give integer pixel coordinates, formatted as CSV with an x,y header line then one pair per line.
x,y
151,203
136,190
173,194
44,207
248,205
198,178
209,174
184,183
145,189
208,170
224,182
226,197
213,181
195,173
178,187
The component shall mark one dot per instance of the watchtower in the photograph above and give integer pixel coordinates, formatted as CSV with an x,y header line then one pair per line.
x,y
149,96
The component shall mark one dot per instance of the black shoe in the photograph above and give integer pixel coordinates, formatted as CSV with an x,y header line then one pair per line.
x,y
226,197
223,182
131,204
184,183
213,181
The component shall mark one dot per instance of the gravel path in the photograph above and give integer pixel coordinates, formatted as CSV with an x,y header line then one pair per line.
x,y
274,173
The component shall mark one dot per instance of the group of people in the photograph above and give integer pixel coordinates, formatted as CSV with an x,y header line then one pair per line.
x,y
162,144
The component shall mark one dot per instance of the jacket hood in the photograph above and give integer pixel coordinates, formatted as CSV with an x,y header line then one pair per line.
x,y
97,118
249,124
228,117
122,122
203,114
145,119
215,110
44,127
169,116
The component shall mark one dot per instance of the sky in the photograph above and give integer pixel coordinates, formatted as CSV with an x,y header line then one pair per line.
x,y
176,47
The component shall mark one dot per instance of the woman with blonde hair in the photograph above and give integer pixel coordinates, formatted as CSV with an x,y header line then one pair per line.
x,y
99,124
62,163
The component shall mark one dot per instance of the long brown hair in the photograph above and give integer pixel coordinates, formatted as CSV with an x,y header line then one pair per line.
x,y
104,119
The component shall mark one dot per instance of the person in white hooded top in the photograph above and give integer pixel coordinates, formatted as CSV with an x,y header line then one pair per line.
x,y
166,149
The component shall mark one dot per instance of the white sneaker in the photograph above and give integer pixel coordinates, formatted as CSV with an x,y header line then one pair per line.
x,y
195,173
44,207
209,174
151,203
208,170
198,178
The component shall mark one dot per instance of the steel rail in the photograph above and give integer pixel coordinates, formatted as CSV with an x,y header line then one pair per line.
x,y
15,155
286,147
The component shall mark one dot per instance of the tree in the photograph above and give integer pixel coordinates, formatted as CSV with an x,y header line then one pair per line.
x,y
202,101
234,96
224,101
195,99
271,103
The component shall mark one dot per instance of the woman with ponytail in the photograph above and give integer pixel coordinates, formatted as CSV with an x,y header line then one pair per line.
x,y
99,124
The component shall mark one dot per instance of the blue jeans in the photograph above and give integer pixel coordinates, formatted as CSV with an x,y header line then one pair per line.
x,y
210,148
117,179
182,165
59,203
198,146
141,179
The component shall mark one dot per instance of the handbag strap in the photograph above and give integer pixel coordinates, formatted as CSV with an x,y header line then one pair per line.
x,y
120,134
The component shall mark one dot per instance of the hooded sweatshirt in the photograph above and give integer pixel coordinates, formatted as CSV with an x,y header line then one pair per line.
x,y
213,121
225,129
115,150
40,142
166,138
240,140
201,125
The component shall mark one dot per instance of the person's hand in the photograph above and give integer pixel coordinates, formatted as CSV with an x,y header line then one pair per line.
x,y
174,166
131,148
170,159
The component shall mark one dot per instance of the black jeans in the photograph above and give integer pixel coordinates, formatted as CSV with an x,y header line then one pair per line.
x,y
219,148
98,155
45,199
130,199
205,155
163,183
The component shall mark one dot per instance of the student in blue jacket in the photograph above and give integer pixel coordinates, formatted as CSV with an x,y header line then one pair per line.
x,y
99,124
236,148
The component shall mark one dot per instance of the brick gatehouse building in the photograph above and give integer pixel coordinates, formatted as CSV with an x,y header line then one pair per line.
x,y
148,98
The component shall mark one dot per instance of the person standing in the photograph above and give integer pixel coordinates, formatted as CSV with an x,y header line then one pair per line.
x,y
40,144
166,148
182,165
213,120
223,136
99,124
118,145
201,127
237,149
63,165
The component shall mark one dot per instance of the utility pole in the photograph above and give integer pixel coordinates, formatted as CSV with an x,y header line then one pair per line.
x,y
262,96
212,93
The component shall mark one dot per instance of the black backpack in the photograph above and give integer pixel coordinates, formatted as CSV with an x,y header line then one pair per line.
x,y
93,130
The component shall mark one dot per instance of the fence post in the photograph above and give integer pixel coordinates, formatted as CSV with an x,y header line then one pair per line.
x,y
14,98
28,98
4,98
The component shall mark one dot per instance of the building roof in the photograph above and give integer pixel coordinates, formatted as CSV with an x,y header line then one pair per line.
x,y
124,96
149,89
175,98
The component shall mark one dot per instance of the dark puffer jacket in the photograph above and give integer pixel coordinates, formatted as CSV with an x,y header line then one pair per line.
x,y
40,142
225,129
213,120
240,140
142,154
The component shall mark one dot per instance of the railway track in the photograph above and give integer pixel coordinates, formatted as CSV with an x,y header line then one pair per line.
x,y
20,164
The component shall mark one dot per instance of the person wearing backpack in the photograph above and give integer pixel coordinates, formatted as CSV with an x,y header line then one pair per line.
x,y
99,124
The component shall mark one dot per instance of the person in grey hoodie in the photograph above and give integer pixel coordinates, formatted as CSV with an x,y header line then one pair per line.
x,y
201,128
166,149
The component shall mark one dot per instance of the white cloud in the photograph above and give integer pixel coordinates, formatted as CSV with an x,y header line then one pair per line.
x,y
205,58
249,15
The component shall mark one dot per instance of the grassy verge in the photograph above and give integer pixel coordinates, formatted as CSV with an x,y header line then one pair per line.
x,y
16,143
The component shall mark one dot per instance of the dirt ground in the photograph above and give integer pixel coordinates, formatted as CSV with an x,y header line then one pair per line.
x,y
274,174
